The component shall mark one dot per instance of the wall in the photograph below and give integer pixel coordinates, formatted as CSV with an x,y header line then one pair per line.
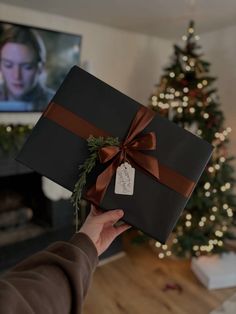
x,y
219,48
128,61
132,62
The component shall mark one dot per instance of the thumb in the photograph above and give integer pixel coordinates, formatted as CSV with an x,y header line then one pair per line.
x,y
110,216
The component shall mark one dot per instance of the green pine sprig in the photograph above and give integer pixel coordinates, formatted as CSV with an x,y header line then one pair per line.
x,y
94,144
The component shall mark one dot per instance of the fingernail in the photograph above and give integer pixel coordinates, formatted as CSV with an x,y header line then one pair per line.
x,y
120,212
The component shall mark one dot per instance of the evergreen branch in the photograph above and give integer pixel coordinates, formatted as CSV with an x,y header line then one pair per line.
x,y
94,144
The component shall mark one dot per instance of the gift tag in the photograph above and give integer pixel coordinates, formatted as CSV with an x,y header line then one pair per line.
x,y
124,183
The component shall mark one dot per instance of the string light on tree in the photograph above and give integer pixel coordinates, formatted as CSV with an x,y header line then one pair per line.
x,y
189,99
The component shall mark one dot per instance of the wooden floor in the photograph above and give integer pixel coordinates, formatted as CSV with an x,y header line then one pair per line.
x,y
134,284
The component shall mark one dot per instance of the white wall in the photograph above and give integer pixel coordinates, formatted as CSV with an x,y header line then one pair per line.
x,y
128,61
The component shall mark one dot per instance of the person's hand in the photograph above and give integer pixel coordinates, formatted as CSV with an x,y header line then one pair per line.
x,y
99,227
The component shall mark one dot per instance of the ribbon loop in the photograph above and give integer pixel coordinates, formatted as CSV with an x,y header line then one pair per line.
x,y
129,147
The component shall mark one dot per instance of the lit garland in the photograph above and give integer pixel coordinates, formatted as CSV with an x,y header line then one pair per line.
x,y
12,136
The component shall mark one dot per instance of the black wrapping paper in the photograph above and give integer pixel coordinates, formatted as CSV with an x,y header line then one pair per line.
x,y
56,153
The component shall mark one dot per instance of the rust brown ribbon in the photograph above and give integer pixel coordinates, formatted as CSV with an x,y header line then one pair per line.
x,y
129,150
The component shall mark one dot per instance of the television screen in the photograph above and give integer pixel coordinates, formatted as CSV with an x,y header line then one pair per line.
x,y
33,63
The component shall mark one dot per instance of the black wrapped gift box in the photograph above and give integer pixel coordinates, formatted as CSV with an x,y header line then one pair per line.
x,y
56,152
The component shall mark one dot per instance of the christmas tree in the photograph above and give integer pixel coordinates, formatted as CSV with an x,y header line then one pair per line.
x,y
186,96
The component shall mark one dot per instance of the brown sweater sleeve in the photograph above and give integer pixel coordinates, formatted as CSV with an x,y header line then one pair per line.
x,y
54,280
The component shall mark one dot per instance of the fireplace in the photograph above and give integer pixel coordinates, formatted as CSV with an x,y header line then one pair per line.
x,y
29,220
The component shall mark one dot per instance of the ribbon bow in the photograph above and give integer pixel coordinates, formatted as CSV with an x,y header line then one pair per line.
x,y
131,147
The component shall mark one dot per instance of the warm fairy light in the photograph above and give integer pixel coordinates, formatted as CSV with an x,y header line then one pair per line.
x,y
195,247
207,185
197,37
192,63
168,253
172,74
207,194
220,243
219,233
228,129
177,93
185,104
174,104
207,248
163,105
204,82
225,206
203,219
201,223
206,115
185,58
185,98
161,255
158,244
217,166
167,106
8,128
172,90
191,110
222,137
223,189
188,216
224,228
199,132
187,68
188,223
229,212
214,209
199,85
185,90
154,98
212,217
171,96
165,247
222,159
211,169
217,134
162,95
191,30
227,185
184,37
179,109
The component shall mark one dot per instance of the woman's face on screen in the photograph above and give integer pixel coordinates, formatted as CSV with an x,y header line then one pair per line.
x,y
20,69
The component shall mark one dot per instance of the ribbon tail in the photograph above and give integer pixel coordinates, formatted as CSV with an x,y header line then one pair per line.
x,y
96,193
142,118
